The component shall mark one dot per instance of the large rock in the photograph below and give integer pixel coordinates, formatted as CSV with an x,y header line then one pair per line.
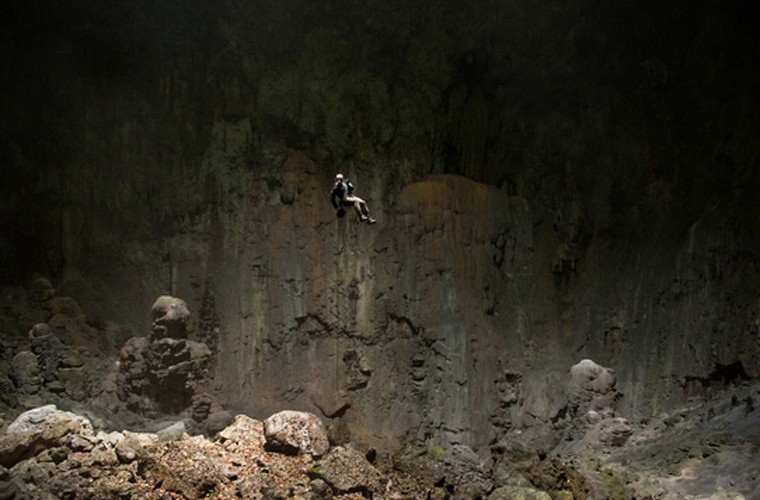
x,y
38,429
243,432
347,470
456,468
592,399
295,432
591,385
163,371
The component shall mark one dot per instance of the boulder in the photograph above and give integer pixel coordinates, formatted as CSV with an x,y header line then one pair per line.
x,y
456,468
243,432
217,420
294,432
347,470
139,442
592,385
173,432
38,429
592,398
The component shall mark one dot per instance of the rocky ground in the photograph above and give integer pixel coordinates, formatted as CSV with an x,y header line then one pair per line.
x,y
709,449
84,420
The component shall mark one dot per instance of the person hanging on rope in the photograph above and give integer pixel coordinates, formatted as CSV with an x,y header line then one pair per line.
x,y
342,195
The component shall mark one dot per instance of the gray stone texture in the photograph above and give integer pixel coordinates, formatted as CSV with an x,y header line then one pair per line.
x,y
552,182
164,372
296,432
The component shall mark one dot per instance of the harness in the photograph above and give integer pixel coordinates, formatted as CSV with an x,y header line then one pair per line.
x,y
345,188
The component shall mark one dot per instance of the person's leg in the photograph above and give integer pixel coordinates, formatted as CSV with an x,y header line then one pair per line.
x,y
357,202
363,207
365,213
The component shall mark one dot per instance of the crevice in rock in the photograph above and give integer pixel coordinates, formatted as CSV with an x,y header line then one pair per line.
x,y
722,376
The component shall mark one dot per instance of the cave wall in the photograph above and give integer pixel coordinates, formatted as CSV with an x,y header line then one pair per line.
x,y
552,180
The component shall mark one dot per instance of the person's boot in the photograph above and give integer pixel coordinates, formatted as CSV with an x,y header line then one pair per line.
x,y
370,220
363,217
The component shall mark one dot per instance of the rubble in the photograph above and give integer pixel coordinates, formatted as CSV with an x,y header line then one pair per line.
x,y
69,417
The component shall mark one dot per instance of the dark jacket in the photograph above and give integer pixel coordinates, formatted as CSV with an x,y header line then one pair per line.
x,y
340,190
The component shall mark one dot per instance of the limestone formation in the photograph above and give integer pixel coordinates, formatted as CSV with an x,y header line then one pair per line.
x,y
170,315
296,432
592,387
164,372
554,180
592,401
46,365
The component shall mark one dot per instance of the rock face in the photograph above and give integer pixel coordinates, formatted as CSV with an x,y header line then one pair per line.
x,y
551,183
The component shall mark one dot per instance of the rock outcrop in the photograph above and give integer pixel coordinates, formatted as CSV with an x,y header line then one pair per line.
x,y
46,365
592,401
553,181
39,429
164,372
702,450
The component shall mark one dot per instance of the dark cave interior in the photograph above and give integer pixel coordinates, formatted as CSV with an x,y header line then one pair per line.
x,y
553,181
